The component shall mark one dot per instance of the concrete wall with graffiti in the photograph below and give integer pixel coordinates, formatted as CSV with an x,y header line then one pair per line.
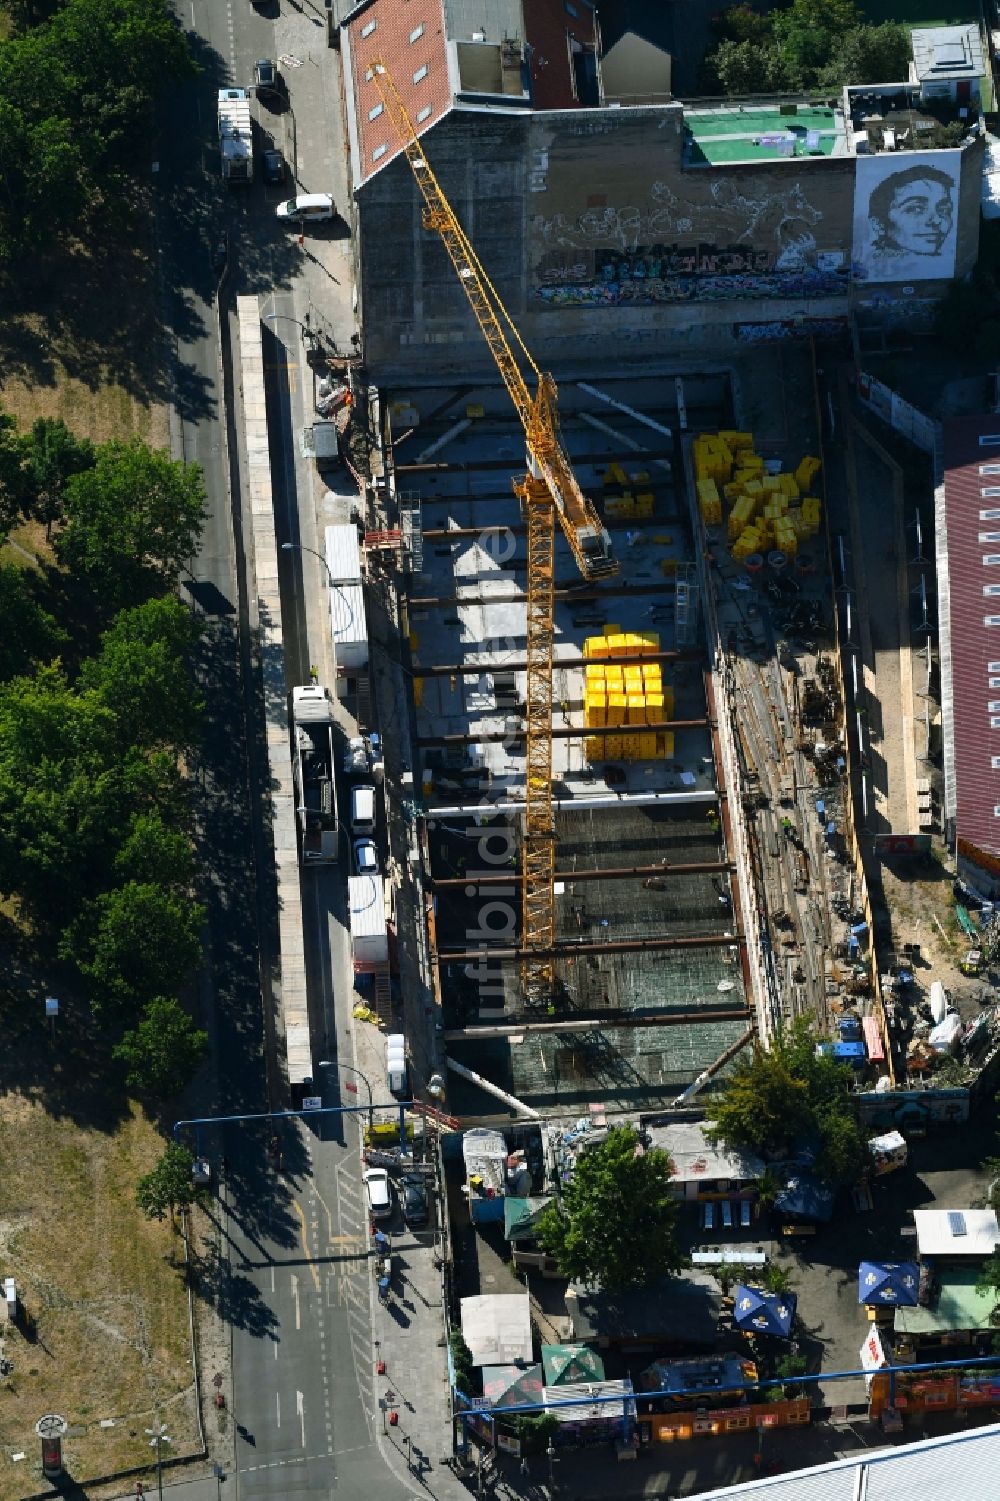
x,y
615,221
592,230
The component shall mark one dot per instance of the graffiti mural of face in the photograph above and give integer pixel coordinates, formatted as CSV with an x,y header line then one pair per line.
x,y
918,217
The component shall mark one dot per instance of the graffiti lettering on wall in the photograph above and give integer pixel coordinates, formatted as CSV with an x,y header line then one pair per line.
x,y
781,330
648,291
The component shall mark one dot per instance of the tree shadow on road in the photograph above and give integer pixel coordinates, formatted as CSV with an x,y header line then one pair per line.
x,y
234,1296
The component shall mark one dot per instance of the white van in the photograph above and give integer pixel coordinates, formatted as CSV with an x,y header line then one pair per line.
x,y
307,208
395,1065
363,811
379,1193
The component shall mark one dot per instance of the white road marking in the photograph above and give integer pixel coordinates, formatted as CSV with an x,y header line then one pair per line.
x,y
300,1408
295,1295
277,1403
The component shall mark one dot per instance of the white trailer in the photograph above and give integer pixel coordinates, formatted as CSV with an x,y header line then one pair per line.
x,y
347,603
235,136
369,937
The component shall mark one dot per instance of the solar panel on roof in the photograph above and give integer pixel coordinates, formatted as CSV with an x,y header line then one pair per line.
x,y
956,1222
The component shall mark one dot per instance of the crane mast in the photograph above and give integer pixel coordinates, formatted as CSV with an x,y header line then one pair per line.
x,y
549,490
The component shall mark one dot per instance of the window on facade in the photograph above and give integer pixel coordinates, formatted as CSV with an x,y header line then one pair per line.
x,y
367,30
422,73
379,151
416,33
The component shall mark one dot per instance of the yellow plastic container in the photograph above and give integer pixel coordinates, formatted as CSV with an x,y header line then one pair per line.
x,y
636,711
736,442
616,645
654,708
665,745
647,747
650,641
612,747
593,748
652,673
807,471
617,703
633,679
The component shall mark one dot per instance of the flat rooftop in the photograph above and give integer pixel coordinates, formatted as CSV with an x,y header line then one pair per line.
x,y
652,943
767,132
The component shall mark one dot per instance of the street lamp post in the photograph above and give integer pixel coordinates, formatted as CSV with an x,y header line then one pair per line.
x,y
336,1063
550,1454
159,1436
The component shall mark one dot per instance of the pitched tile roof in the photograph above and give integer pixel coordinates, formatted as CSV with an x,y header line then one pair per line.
x,y
409,37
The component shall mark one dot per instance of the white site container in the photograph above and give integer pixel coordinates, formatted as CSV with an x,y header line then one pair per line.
x,y
347,603
366,904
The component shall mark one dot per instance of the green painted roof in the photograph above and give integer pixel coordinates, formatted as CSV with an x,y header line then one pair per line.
x,y
958,1306
567,1364
732,134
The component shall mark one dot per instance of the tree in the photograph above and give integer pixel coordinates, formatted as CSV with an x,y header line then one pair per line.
x,y
162,1054
169,1186
809,32
615,1224
790,1094
132,522
65,794
462,1363
869,54
751,67
154,853
143,673
28,634
775,1278
762,1105
15,486
134,943
53,454
741,23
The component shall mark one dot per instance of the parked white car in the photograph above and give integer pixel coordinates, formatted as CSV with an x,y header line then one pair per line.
x,y
307,208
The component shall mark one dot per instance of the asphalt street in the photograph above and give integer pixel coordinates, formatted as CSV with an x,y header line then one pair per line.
x,y
293,1281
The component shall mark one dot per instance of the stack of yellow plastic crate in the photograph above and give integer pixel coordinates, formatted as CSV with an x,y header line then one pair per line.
x,y
631,504
629,695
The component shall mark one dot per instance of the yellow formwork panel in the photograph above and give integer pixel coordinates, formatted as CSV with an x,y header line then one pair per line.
x,y
593,748
665,745
650,641
654,708
789,486
652,674
612,630
647,747
645,505
612,747
616,708
736,442
635,712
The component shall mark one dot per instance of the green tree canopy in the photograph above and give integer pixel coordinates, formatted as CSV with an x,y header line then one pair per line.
x,y
870,54
805,45
28,633
616,1222
808,32
70,790
143,673
53,454
134,943
132,522
154,853
162,1054
77,87
15,482
750,67
789,1097
169,1186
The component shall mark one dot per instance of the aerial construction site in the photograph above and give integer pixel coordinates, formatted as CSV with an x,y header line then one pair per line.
x,y
623,713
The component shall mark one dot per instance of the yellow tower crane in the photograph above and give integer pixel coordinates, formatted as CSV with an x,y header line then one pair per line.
x,y
548,490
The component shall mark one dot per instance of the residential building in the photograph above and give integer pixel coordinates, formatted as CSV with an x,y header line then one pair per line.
x,y
634,224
